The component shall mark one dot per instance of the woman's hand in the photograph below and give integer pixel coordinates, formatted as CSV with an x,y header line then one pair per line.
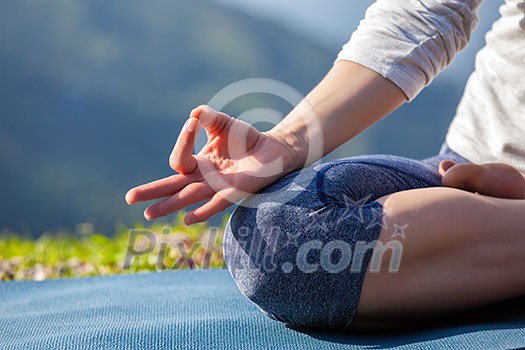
x,y
236,161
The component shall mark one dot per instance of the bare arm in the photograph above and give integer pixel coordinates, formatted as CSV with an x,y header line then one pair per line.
x,y
348,100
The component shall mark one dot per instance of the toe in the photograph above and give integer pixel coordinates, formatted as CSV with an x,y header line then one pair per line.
x,y
445,165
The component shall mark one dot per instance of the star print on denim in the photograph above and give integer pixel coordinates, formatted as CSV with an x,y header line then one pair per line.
x,y
319,220
353,209
377,218
292,239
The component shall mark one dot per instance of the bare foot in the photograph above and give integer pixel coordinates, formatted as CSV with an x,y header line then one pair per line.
x,y
493,179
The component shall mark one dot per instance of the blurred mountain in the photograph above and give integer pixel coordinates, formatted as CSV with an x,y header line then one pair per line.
x,y
93,95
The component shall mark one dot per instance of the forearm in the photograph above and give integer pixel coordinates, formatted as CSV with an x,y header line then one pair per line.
x,y
347,101
406,43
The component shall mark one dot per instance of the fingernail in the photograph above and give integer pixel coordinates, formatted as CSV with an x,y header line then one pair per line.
x,y
146,215
188,219
128,197
194,111
191,124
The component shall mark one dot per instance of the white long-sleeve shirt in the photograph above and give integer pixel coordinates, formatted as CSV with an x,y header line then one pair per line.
x,y
410,41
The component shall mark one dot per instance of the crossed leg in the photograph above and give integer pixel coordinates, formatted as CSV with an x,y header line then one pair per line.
x,y
461,250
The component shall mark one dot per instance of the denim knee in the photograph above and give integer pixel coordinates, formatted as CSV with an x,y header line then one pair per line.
x,y
277,259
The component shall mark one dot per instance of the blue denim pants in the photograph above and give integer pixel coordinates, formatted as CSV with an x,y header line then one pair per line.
x,y
300,248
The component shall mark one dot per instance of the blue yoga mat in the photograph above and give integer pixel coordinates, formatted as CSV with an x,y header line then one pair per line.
x,y
204,310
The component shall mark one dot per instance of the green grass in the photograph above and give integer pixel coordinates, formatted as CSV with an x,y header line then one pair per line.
x,y
129,250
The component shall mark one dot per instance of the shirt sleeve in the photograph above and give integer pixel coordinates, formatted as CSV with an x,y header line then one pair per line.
x,y
409,42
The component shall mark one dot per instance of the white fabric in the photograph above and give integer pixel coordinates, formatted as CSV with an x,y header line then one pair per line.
x,y
409,42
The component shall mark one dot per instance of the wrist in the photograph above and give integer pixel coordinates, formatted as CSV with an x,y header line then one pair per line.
x,y
294,147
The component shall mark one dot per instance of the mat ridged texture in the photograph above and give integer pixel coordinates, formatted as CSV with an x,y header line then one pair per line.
x,y
204,310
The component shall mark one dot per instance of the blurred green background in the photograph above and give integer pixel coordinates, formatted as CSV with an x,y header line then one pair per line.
x,y
94,93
